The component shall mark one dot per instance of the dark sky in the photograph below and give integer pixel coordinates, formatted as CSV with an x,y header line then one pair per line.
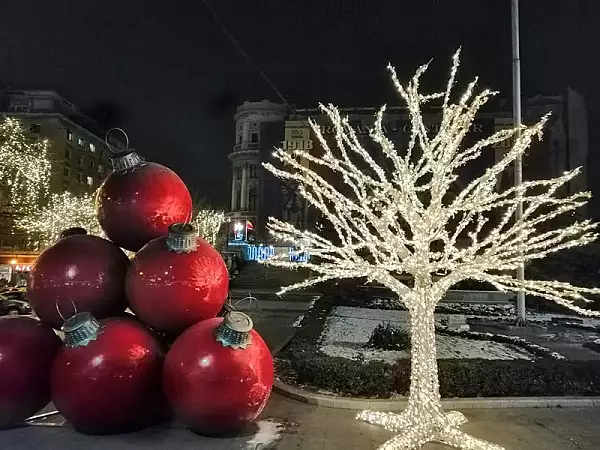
x,y
174,78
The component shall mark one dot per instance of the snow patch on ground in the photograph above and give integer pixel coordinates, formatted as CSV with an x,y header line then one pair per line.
x,y
268,433
348,329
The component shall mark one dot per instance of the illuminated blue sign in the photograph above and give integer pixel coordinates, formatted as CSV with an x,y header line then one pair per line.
x,y
264,253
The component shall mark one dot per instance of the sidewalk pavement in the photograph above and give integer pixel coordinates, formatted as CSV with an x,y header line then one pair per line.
x,y
290,425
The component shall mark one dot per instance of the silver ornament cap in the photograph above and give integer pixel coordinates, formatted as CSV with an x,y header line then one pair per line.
x,y
234,330
81,329
182,238
125,162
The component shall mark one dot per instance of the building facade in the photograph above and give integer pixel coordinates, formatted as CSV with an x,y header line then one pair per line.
x,y
257,125
79,160
258,195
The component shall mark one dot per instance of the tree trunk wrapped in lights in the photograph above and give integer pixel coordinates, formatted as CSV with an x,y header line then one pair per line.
x,y
401,218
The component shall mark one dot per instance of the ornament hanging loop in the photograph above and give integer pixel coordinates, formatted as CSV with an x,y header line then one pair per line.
x,y
113,148
60,314
250,298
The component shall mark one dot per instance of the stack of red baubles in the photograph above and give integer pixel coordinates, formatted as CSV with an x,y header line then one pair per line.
x,y
177,351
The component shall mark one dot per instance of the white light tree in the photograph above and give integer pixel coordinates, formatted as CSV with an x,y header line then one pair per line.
x,y
65,210
208,223
400,218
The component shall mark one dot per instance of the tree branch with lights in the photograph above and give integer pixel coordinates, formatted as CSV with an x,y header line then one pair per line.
x,y
400,217
25,168
209,223
66,210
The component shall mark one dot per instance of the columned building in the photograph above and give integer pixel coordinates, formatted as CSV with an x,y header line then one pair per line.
x,y
257,195
254,123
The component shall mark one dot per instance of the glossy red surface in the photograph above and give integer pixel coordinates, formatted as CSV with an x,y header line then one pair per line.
x,y
108,385
171,291
137,206
214,389
86,270
27,350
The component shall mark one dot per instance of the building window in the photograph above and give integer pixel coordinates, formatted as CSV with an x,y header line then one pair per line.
x,y
66,172
239,138
252,201
67,153
253,171
80,142
91,165
81,161
80,177
100,168
238,173
92,148
35,128
90,181
69,135
254,137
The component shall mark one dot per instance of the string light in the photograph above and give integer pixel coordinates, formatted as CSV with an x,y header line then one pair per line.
x,y
208,222
25,168
387,217
65,210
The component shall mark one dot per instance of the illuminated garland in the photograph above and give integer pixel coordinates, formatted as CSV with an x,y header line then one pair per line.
x,y
25,168
44,225
208,222
388,217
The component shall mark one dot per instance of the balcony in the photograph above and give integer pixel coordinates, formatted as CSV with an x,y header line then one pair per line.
x,y
246,148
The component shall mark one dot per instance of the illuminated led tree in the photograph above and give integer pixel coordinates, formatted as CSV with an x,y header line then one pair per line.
x,y
24,168
401,218
44,225
209,222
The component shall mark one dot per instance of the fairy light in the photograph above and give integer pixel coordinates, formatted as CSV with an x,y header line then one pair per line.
x,y
25,167
385,227
65,210
208,222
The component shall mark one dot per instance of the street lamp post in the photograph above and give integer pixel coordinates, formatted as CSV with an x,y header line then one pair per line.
x,y
516,73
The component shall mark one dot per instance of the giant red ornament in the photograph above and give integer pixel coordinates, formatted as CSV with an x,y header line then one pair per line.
x,y
107,374
177,280
139,200
27,350
81,272
218,375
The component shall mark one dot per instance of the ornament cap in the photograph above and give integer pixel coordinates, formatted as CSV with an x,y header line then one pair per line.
x,y
234,330
125,162
72,232
182,238
80,329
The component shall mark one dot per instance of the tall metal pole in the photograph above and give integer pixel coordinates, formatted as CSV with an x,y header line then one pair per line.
x,y
516,72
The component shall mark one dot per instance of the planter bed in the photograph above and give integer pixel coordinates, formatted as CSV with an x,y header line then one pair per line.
x,y
302,363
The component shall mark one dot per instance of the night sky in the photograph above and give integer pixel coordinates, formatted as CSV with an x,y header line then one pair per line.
x,y
166,72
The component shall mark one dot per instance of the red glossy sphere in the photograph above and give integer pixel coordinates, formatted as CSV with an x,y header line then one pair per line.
x,y
137,206
84,270
214,389
27,350
172,291
109,384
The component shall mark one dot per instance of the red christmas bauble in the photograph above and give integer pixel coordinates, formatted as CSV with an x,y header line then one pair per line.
x,y
139,200
107,374
218,375
27,350
176,281
81,272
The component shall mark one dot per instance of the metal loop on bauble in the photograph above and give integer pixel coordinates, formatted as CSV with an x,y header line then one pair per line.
x,y
60,313
250,299
112,148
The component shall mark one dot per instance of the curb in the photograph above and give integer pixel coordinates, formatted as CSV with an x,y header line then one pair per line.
x,y
351,403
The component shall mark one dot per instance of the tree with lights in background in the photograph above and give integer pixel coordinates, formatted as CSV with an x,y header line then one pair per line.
x,y
209,224
66,210
24,168
401,218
